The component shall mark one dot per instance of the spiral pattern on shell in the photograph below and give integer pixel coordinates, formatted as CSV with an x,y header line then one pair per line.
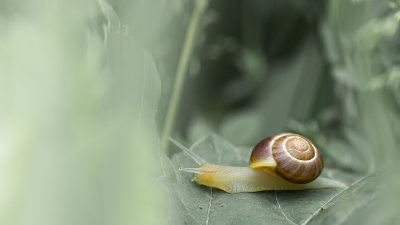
x,y
296,157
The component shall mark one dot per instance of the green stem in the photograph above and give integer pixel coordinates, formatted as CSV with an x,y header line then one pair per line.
x,y
181,71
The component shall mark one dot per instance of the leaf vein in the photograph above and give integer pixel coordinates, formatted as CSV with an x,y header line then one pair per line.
x,y
283,212
332,198
209,206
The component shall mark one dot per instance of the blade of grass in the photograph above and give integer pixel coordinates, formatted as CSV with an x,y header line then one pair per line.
x,y
181,71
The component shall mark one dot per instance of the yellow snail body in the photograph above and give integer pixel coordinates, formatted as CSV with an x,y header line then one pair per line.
x,y
279,162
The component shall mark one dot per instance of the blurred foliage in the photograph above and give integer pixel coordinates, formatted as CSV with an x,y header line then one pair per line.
x,y
78,137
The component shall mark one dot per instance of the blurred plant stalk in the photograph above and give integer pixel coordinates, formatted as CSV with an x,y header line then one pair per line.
x,y
183,64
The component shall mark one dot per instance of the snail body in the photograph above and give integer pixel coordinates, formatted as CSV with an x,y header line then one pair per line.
x,y
279,162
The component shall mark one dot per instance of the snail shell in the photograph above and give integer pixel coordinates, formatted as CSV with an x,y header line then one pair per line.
x,y
290,156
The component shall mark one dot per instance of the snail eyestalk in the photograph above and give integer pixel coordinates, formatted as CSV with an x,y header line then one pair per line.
x,y
195,157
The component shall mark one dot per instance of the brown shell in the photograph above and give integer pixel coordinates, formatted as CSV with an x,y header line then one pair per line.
x,y
291,156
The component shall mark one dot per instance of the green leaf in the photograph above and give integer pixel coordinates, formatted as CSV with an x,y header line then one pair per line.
x,y
358,195
205,205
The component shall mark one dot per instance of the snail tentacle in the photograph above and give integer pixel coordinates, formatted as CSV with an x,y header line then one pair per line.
x,y
200,161
191,170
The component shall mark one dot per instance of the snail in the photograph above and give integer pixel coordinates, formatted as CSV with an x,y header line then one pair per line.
x,y
280,162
